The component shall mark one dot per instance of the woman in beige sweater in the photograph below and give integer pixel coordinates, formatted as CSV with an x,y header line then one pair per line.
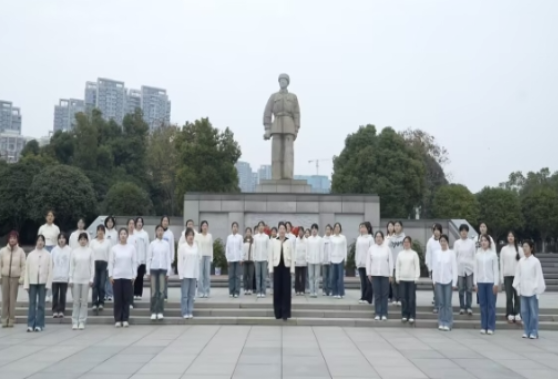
x,y
38,279
12,266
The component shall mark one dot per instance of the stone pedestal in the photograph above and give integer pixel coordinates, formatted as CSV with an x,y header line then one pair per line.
x,y
283,186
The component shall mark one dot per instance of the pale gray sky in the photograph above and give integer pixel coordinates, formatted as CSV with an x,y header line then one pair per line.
x,y
479,75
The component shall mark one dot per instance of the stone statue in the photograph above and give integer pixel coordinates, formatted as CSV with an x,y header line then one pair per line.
x,y
282,130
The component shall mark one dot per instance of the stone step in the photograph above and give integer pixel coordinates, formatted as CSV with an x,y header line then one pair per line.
x,y
270,321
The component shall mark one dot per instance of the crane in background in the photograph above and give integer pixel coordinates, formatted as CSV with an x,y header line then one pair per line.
x,y
317,162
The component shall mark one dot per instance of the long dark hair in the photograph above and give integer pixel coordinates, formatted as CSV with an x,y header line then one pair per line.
x,y
517,257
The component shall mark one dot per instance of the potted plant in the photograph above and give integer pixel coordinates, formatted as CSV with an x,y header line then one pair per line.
x,y
423,269
350,265
219,258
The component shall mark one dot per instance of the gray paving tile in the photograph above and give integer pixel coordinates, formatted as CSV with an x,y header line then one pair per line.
x,y
105,376
447,373
178,368
258,371
435,363
156,376
537,373
211,369
400,373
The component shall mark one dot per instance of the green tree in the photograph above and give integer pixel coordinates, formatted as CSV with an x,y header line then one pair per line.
x,y
61,147
126,198
66,190
381,164
500,209
455,201
540,208
206,159
31,148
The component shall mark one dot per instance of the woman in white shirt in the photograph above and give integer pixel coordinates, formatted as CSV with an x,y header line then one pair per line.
x,y
188,271
465,251
204,240
314,259
111,234
60,276
101,251
82,271
248,261
379,268
509,258
407,273
74,237
37,280
142,244
122,271
432,247
234,255
486,277
338,256
49,231
326,259
444,276
158,265
529,283
300,263
362,245
261,250
168,236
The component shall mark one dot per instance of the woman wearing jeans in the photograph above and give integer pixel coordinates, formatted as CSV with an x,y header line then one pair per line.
x,y
158,266
101,251
188,271
444,276
509,258
338,256
37,280
314,259
82,272
379,268
407,273
486,276
261,249
205,244
529,283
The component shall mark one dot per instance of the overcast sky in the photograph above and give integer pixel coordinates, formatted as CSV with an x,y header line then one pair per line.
x,y
481,76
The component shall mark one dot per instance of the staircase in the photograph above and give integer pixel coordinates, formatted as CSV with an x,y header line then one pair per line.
x,y
549,263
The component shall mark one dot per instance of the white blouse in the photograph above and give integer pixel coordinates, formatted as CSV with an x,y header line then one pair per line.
x,y
159,256
444,267
261,247
122,262
338,248
101,249
188,261
486,267
529,279
314,250
234,248
205,244
82,265
326,250
379,261
509,261
362,246
142,244
112,236
300,257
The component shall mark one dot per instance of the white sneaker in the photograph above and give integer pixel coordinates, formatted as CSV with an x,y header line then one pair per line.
x,y
74,327
361,301
511,318
440,327
533,337
524,336
411,321
231,295
490,332
398,303
446,328
517,318
81,327
384,318
38,329
483,331
48,299
125,324
236,296
403,319
185,317
118,325
470,312
131,306
160,316
377,318
190,316
101,307
153,317
94,308
462,311
29,329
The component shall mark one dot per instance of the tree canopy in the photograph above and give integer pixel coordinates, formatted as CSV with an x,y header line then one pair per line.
x,y
500,209
127,198
455,201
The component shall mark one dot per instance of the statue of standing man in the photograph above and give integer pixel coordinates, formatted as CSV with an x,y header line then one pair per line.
x,y
282,129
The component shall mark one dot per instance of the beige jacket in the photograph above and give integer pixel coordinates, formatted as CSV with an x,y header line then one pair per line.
x,y
38,269
12,262
275,255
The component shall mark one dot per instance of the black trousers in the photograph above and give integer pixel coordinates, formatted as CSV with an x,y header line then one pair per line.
x,y
365,286
408,293
300,279
99,283
282,292
513,305
59,291
123,295
138,283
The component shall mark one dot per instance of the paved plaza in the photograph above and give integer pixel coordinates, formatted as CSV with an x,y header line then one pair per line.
x,y
224,352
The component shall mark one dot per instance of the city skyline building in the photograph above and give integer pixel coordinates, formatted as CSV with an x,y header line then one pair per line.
x,y
11,140
10,117
247,181
65,114
156,106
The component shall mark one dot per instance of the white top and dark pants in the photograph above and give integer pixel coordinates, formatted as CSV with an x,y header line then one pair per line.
x,y
142,245
529,283
395,244
362,246
326,267
38,278
234,254
112,236
248,263
122,269
432,246
465,251
188,266
444,276
301,267
338,256
379,266
486,275
509,259
282,264
60,278
407,273
101,253
82,271
261,250
158,265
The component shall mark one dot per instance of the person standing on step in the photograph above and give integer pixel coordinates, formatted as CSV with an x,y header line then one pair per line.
x,y
379,268
261,251
82,273
122,272
395,246
111,234
326,262
444,277
74,237
61,256
12,269
407,274
158,266
529,283
168,236
273,235
204,240
465,250
390,230
50,232
133,240
101,251
188,271
142,245
362,245
338,258
233,253
248,261
300,263
509,259
37,280
282,264
432,247
314,247
486,276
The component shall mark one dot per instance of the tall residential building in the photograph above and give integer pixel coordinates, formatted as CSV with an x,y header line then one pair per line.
x,y
90,96
133,100
264,173
319,183
246,178
11,140
111,99
65,114
10,118
155,105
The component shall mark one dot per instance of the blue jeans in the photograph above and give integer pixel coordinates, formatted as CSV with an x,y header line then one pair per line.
x,y
261,276
326,279
445,311
465,287
338,279
108,287
380,286
188,292
36,312
530,315
204,281
313,277
234,278
487,306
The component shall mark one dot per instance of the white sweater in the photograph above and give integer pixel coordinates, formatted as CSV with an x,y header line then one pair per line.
x,y
82,266
465,251
338,252
362,245
407,267
112,236
101,249
38,269
205,244
326,250
188,261
314,247
529,279
486,267
61,264
261,247
301,251
159,256
380,261
51,233
122,262
142,244
508,261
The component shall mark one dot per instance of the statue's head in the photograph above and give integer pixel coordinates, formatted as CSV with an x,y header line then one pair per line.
x,y
284,81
